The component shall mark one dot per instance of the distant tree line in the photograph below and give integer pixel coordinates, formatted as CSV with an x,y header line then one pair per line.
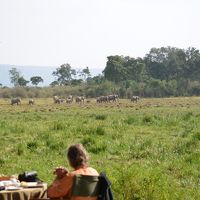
x,y
18,80
163,72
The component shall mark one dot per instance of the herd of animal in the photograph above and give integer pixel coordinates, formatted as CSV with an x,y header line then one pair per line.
x,y
69,99
17,101
109,98
78,99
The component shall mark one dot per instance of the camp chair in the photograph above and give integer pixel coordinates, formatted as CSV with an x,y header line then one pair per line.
x,y
83,185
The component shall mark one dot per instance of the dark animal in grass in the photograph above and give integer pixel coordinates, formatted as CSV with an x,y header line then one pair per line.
x,y
31,102
80,99
135,98
58,100
113,97
15,101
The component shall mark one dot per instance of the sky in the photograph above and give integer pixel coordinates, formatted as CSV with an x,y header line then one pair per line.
x,y
84,32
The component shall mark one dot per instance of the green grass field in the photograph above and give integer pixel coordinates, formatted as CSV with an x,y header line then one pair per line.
x,y
150,149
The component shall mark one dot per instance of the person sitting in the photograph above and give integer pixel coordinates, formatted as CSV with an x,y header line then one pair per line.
x,y
62,185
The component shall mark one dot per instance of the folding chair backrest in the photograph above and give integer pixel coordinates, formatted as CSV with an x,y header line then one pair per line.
x,y
85,185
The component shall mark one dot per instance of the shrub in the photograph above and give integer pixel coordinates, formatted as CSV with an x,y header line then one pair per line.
x,y
20,149
98,148
100,131
32,146
130,120
88,142
147,119
187,116
59,125
100,117
55,146
2,162
196,136
19,92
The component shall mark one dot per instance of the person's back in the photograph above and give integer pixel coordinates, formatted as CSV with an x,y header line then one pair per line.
x,y
62,185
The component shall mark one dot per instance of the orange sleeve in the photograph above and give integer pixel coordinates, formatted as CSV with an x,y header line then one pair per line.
x,y
60,187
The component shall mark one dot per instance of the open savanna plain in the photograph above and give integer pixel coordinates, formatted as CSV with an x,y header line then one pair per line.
x,y
150,150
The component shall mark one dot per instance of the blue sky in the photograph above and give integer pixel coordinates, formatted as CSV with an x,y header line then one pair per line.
x,y
84,33
29,71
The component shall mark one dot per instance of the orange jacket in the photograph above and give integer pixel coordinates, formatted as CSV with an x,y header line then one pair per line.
x,y
62,187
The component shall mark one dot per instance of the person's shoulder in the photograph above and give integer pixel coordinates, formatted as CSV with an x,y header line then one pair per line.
x,y
85,171
92,171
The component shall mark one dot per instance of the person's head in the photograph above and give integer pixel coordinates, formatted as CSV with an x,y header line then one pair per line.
x,y
77,156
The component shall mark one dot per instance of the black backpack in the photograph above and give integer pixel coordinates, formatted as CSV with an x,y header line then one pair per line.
x,y
105,188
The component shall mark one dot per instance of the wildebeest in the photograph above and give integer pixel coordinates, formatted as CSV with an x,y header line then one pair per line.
x,y
98,100
15,101
113,97
80,99
69,99
31,102
109,98
102,99
55,99
62,100
58,100
135,98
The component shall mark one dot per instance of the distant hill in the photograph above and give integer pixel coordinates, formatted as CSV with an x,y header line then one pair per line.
x,y
28,71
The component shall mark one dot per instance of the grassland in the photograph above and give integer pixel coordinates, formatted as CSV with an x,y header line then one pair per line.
x,y
150,149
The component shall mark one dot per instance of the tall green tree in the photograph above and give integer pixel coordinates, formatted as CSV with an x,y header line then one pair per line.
x,y
175,63
98,79
136,69
192,67
35,80
22,81
115,70
86,73
14,76
54,83
64,74
155,60
165,63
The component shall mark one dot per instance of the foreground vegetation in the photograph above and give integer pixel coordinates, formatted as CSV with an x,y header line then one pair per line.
x,y
150,149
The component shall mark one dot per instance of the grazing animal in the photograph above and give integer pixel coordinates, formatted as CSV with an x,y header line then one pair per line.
x,y
116,97
69,99
15,101
80,99
113,97
98,100
31,102
102,99
57,100
135,98
61,100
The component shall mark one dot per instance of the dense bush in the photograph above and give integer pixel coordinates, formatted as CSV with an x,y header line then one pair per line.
x,y
151,88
